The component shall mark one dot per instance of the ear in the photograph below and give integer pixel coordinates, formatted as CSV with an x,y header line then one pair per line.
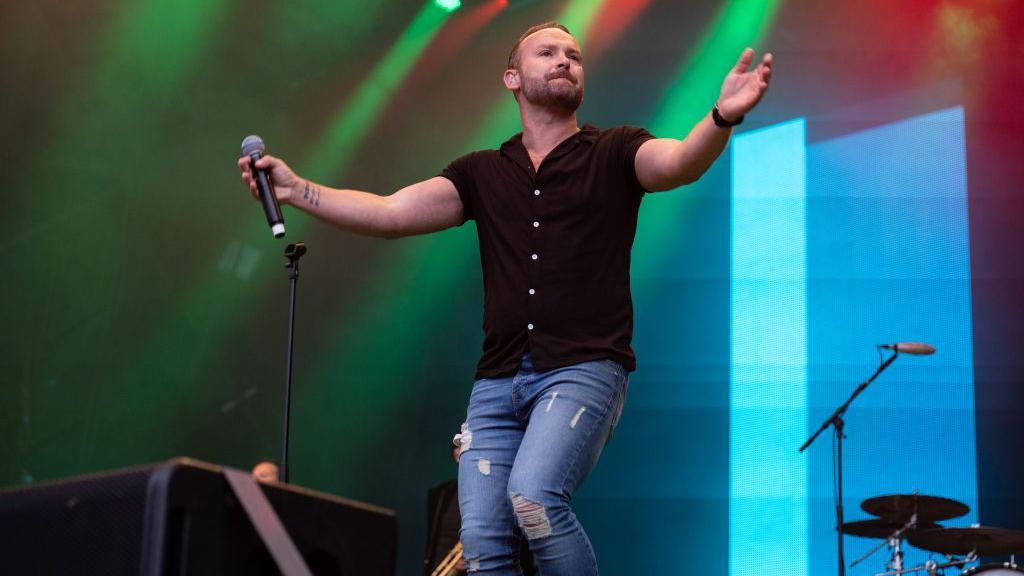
x,y
511,78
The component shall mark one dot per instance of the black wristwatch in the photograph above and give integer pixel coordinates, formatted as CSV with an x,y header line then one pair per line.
x,y
722,122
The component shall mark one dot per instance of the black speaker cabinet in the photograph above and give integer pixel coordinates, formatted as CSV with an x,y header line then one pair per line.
x,y
181,517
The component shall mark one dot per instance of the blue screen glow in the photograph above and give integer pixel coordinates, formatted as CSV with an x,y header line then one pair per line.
x,y
838,245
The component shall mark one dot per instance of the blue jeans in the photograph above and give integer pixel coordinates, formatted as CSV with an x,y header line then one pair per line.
x,y
529,441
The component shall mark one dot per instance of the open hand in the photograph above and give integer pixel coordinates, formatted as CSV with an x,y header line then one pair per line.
x,y
743,88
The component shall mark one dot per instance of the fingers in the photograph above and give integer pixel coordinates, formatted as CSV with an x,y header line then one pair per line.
x,y
247,179
765,68
283,176
744,62
250,182
267,162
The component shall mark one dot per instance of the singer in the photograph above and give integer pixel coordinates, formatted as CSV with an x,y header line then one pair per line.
x,y
556,212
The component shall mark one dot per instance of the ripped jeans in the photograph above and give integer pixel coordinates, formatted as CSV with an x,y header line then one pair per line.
x,y
529,441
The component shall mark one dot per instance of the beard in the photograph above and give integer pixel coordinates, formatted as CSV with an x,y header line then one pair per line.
x,y
550,93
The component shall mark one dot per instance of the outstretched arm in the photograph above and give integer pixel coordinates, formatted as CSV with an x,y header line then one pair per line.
x,y
666,163
427,206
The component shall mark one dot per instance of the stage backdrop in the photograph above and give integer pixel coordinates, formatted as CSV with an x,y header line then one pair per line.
x,y
874,196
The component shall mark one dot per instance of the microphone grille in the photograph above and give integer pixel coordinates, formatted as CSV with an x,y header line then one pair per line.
x,y
252,143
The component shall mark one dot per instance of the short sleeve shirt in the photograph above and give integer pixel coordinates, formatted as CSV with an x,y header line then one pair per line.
x,y
555,248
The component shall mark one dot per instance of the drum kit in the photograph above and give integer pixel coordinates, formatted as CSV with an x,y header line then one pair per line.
x,y
914,518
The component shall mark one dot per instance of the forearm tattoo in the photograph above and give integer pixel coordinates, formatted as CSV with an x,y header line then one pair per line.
x,y
311,193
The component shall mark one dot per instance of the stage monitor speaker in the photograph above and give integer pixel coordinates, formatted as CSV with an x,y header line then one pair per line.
x,y
182,517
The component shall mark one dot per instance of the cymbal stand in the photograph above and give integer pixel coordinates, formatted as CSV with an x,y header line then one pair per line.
x,y
893,541
896,562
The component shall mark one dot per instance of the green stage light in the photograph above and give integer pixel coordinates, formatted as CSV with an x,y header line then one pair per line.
x,y
737,24
104,124
214,304
449,5
339,143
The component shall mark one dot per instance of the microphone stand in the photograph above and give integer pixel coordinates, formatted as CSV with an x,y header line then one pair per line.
x,y
837,423
292,253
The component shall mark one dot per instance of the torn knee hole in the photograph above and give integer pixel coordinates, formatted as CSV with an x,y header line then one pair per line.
x,y
532,517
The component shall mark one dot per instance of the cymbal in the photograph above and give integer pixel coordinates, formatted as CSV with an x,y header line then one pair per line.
x,y
898,508
878,528
987,541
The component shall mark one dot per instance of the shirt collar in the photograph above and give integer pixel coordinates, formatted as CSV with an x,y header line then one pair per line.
x,y
588,133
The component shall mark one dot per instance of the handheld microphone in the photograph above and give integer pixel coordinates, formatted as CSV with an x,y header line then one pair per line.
x,y
253,147
915,348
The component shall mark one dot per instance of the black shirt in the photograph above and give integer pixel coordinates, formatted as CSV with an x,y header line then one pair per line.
x,y
555,248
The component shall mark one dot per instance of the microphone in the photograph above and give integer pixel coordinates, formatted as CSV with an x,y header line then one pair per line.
x,y
253,147
915,348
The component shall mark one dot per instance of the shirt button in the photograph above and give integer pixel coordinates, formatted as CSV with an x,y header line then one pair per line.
x,y
529,326
532,291
533,256
536,192
536,224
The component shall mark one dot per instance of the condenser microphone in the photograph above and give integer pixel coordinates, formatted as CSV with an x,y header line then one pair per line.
x,y
253,147
916,348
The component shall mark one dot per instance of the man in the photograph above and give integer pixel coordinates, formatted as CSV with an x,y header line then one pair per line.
x,y
556,211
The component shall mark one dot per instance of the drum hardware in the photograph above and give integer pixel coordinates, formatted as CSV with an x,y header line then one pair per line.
x,y
997,569
932,568
905,515
894,540
912,517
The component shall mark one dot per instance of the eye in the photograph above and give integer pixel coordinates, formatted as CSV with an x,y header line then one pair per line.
x,y
545,52
575,57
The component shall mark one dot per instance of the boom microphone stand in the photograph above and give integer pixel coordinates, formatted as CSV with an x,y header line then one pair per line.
x,y
837,423
292,253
